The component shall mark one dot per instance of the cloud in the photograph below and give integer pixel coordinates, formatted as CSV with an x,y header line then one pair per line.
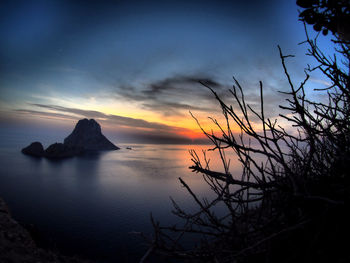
x,y
173,96
178,83
43,114
115,119
117,128
161,105
321,81
176,95
75,111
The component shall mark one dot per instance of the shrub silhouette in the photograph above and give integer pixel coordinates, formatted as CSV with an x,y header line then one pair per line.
x,y
290,207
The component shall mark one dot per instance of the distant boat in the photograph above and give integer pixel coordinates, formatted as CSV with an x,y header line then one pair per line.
x,y
129,148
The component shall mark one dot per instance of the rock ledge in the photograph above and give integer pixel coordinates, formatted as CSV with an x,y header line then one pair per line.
x,y
17,245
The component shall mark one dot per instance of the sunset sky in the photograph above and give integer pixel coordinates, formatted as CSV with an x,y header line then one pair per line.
x,y
134,66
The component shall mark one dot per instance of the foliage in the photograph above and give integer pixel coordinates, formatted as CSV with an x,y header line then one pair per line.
x,y
327,15
289,207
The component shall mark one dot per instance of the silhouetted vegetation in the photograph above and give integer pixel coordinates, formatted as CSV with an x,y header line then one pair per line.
x,y
289,203
327,15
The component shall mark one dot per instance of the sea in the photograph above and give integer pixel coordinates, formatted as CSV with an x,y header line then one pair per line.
x,y
95,205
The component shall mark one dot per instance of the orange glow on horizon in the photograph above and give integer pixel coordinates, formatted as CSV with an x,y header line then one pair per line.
x,y
181,126
191,134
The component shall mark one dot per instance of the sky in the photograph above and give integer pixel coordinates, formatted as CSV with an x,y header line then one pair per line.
x,y
135,66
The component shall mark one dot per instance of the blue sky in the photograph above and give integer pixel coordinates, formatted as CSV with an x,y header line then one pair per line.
x,y
135,65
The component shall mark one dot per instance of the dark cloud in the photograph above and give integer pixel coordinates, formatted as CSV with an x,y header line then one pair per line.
x,y
178,83
171,96
175,96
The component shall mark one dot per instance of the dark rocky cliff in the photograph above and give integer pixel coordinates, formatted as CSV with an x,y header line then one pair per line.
x,y
87,135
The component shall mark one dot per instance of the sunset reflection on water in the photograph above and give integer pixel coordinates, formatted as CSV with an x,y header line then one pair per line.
x,y
90,204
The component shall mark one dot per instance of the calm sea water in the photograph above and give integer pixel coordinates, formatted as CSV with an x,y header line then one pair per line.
x,y
89,205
